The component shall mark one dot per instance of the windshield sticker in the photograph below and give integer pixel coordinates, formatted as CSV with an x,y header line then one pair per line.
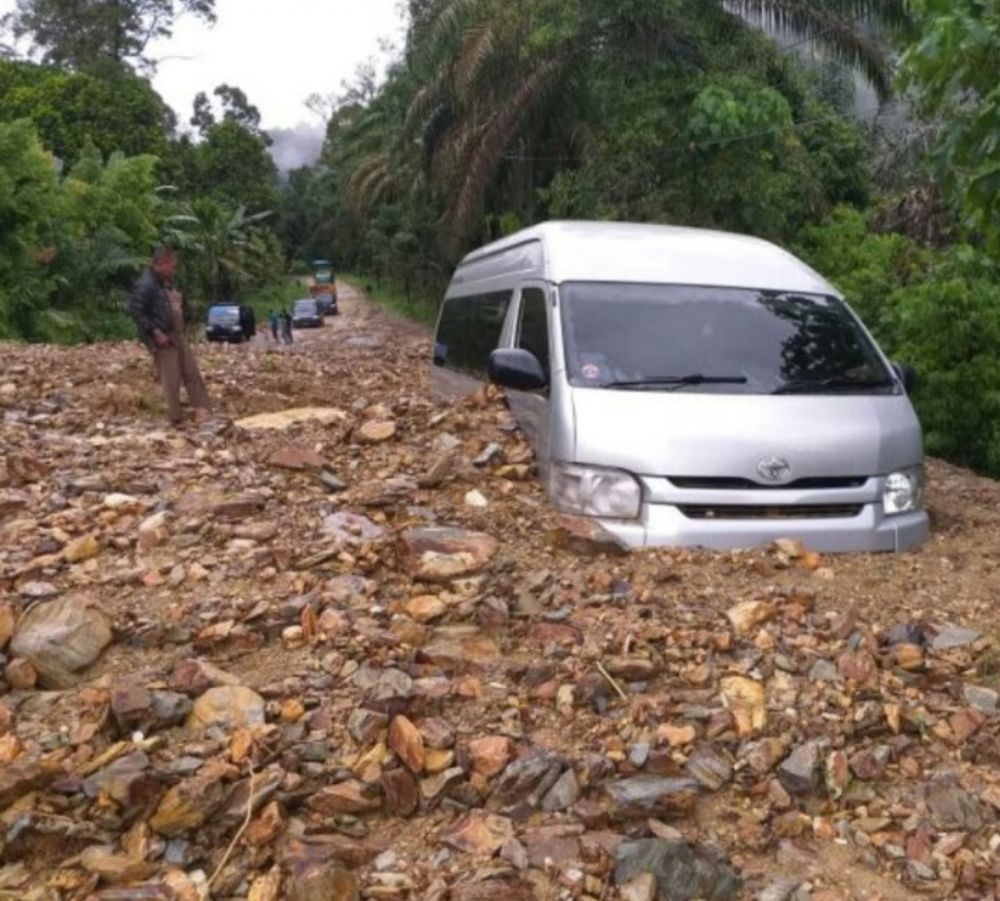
x,y
590,371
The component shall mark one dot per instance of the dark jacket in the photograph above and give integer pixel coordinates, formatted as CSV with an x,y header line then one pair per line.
x,y
149,307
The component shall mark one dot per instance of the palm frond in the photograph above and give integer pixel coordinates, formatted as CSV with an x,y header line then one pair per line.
x,y
478,48
492,142
847,29
443,31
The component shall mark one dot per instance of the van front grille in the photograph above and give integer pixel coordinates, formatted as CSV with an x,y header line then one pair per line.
x,y
711,483
739,511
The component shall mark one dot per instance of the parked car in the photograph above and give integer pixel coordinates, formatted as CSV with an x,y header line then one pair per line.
x,y
689,387
225,323
307,314
327,301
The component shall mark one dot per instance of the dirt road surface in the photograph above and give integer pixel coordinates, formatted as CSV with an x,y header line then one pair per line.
x,y
355,655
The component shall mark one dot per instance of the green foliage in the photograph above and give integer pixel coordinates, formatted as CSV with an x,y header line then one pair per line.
x,y
69,245
955,67
938,311
232,165
120,112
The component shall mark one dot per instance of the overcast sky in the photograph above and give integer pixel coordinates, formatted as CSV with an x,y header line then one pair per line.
x,y
278,51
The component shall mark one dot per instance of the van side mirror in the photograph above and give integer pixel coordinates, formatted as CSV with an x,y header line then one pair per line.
x,y
517,369
907,376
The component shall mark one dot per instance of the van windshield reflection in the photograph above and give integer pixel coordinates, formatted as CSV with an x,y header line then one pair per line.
x,y
716,340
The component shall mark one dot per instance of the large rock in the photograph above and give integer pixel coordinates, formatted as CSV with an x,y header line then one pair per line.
x,y
951,807
407,743
327,884
60,638
683,872
436,554
478,833
640,797
189,804
801,771
229,706
327,416
352,797
195,677
490,755
296,457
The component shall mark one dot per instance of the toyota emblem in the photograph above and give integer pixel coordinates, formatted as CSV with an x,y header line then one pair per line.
x,y
774,469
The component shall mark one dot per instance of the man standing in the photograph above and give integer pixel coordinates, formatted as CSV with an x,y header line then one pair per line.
x,y
286,326
272,320
161,314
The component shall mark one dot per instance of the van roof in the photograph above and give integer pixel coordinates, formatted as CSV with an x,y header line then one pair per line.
x,y
652,254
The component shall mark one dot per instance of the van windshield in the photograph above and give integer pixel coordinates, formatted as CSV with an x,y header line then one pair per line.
x,y
716,340
306,307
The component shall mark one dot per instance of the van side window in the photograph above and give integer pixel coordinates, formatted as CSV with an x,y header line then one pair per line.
x,y
469,331
533,330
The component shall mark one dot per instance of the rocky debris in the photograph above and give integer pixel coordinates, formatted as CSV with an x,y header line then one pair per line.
x,y
441,554
651,796
60,638
395,692
286,419
229,706
682,871
376,431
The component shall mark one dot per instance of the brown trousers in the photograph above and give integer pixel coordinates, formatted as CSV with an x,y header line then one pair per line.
x,y
175,366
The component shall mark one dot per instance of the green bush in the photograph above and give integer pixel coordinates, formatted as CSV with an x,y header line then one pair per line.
x,y
936,310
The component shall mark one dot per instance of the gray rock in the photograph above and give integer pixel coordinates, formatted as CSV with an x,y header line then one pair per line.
x,y
638,754
384,690
351,528
650,796
710,767
170,708
779,889
823,670
951,807
985,700
527,778
564,794
683,872
800,772
490,453
365,724
951,637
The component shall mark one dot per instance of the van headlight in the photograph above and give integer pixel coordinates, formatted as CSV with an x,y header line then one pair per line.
x,y
903,491
590,491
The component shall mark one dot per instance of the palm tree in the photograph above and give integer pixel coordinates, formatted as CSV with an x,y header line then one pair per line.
x,y
485,82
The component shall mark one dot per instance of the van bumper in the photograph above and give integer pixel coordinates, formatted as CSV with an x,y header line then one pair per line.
x,y
663,525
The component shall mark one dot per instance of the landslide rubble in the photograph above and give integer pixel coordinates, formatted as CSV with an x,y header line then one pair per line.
x,y
335,646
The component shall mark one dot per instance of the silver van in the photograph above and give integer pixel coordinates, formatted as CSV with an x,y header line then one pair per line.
x,y
689,387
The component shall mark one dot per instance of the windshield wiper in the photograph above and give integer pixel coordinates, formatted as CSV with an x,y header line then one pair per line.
x,y
835,383
679,381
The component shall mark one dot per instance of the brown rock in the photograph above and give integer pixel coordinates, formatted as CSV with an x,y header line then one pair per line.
x,y
195,677
126,780
582,535
426,608
465,651
490,756
189,804
407,743
402,795
676,736
376,431
297,457
436,732
435,554
632,669
749,615
20,777
494,890
478,833
20,674
364,725
858,667
6,624
83,548
114,868
327,884
229,706
543,846
748,703
351,797
256,531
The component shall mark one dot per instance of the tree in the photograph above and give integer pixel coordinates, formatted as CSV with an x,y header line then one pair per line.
x,y
88,34
236,107
954,68
119,112
233,164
